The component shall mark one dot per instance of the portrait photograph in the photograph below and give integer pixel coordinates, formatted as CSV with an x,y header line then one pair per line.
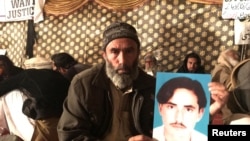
x,y
181,110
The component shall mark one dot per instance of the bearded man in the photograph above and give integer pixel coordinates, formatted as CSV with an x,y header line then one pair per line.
x,y
226,62
112,101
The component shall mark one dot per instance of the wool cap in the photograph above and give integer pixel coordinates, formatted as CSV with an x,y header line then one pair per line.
x,y
119,30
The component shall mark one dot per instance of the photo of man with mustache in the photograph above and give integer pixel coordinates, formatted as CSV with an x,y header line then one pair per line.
x,y
181,104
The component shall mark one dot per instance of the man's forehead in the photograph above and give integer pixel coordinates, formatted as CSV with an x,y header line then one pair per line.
x,y
121,47
192,59
181,93
148,59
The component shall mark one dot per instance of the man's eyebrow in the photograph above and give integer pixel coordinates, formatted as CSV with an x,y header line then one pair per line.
x,y
187,106
126,48
171,103
114,48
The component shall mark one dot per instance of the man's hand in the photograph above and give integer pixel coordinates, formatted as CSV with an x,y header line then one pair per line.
x,y
219,95
140,138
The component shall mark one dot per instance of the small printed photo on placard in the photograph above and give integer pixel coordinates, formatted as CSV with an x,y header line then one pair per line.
x,y
181,109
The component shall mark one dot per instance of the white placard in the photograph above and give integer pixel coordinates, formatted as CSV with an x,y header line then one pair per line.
x,y
16,10
242,32
236,9
3,51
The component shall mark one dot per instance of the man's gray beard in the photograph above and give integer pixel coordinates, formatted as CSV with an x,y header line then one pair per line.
x,y
121,80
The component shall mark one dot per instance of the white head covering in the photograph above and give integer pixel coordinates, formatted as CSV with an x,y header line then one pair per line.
x,y
224,58
38,63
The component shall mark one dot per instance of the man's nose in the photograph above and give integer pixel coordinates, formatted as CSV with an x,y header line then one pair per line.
x,y
179,116
121,58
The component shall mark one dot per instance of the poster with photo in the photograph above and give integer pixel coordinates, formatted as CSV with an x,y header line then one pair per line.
x,y
181,106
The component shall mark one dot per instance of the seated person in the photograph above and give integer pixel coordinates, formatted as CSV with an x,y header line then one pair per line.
x,y
12,119
239,98
67,65
113,100
42,94
151,65
191,64
226,61
7,70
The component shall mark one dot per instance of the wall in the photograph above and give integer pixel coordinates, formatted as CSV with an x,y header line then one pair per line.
x,y
170,28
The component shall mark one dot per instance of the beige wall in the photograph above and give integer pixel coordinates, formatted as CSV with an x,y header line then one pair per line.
x,y
170,28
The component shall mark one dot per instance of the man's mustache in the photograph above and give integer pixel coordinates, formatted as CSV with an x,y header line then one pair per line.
x,y
123,67
178,125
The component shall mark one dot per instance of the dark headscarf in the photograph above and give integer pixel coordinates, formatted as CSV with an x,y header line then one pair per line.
x,y
183,68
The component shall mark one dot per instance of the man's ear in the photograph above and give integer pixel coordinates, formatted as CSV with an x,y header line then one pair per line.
x,y
160,106
62,70
201,113
104,55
